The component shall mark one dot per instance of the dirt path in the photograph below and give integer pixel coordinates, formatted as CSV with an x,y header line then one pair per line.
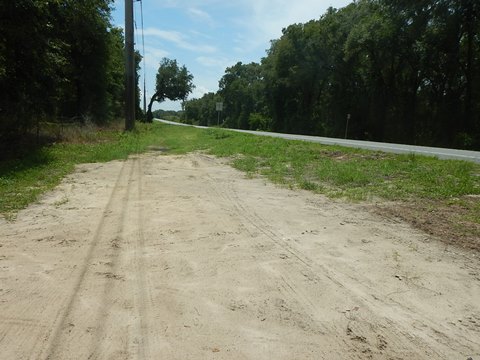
x,y
163,257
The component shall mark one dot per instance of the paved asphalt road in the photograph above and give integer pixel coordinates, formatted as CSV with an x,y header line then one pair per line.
x,y
369,145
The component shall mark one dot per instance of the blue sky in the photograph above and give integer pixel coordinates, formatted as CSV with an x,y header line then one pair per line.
x,y
209,35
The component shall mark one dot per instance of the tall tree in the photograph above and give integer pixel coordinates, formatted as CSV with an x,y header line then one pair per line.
x,y
401,70
27,45
203,111
58,59
85,28
242,91
172,82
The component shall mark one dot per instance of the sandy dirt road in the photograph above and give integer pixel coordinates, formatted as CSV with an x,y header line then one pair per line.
x,y
182,257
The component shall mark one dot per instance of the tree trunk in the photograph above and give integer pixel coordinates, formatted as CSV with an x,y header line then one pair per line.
x,y
149,116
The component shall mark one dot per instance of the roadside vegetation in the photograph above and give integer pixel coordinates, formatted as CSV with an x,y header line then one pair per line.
x,y
441,197
401,71
61,62
335,171
24,178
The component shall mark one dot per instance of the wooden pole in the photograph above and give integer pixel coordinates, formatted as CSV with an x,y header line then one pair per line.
x,y
129,68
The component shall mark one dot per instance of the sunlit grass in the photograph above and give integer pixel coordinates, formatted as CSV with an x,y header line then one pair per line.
x,y
23,180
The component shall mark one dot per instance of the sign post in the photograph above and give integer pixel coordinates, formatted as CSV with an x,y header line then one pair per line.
x,y
346,127
219,107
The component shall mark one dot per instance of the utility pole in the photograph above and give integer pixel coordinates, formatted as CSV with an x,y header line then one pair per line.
x,y
129,68
144,67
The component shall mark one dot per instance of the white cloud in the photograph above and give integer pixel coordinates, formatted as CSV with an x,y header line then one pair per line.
x,y
265,19
200,16
215,62
153,56
173,36
179,40
199,91
199,34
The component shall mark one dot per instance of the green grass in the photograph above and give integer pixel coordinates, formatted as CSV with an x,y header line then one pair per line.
x,y
333,171
23,180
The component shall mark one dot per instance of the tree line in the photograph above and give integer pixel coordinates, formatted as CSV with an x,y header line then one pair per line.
x,y
403,71
60,60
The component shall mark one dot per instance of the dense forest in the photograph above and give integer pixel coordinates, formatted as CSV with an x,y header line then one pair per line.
x,y
406,71
60,60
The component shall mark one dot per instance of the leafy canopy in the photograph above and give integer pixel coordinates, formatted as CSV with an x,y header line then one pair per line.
x,y
173,83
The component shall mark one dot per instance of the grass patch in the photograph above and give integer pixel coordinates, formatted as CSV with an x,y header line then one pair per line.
x,y
334,171
23,180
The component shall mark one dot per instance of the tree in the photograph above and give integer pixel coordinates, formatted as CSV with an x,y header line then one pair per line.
x,y
85,26
203,111
116,73
242,91
26,45
173,83
406,70
138,108
58,59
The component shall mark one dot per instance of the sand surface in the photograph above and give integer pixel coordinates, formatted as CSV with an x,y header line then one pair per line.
x,y
183,257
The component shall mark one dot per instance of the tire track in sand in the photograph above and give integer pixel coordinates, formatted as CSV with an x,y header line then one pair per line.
x,y
127,325
118,195
141,288
374,322
399,339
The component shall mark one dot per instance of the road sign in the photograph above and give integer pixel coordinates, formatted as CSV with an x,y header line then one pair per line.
x,y
219,106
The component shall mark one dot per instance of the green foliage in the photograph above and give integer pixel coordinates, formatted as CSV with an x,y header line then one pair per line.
x,y
172,82
242,94
23,180
58,60
203,111
406,71
258,121
242,89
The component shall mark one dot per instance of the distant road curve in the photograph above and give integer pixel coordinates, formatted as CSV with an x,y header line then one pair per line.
x,y
440,153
